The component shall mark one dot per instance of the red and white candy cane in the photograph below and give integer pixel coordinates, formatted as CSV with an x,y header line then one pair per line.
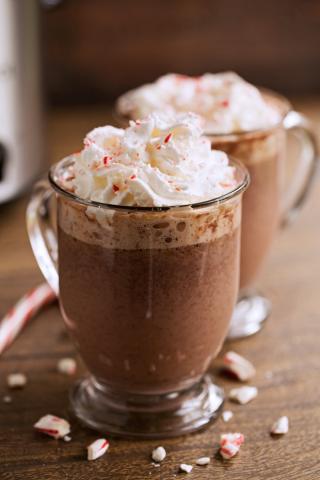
x,y
19,315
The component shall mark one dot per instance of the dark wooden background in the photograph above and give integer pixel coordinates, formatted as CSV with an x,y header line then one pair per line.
x,y
95,49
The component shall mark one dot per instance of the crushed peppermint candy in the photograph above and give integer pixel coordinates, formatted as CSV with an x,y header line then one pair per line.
x,y
203,461
234,438
67,366
238,366
229,450
53,426
185,468
158,454
16,380
227,415
97,448
7,399
280,426
230,444
243,395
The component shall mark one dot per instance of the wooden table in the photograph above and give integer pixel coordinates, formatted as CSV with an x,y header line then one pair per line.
x,y
288,347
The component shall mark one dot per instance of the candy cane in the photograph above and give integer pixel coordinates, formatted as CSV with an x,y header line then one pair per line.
x,y
19,315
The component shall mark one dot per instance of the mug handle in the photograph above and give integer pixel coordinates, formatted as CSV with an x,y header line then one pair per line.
x,y
301,183
42,232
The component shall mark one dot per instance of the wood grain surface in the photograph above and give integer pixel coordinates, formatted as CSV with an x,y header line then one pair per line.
x,y
286,354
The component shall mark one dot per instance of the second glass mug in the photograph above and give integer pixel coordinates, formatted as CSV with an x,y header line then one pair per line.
x,y
134,294
265,204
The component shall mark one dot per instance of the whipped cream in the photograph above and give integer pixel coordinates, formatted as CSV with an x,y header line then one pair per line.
x,y
225,102
160,161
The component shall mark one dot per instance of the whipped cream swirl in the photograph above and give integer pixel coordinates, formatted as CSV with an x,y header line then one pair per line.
x,y
225,102
160,161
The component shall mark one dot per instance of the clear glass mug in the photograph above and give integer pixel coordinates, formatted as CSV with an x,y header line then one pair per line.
x,y
267,203
147,295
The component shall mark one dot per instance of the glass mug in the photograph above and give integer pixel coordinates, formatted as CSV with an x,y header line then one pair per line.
x,y
266,204
134,294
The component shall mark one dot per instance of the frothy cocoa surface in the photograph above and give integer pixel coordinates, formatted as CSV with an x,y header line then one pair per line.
x,y
144,230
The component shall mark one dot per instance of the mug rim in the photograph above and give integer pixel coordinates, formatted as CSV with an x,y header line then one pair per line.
x,y
240,188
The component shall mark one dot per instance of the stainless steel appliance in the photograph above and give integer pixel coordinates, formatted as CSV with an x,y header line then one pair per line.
x,y
21,154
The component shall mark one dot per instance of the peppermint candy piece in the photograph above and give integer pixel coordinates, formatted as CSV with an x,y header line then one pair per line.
x,y
97,448
243,395
280,426
238,366
67,366
227,415
234,438
230,444
229,450
53,426
158,454
185,468
16,380
203,461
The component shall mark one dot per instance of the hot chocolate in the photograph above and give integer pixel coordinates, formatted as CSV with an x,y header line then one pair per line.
x,y
134,279
148,236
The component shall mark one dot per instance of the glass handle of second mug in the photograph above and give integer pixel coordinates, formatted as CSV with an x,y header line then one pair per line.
x,y
308,161
42,232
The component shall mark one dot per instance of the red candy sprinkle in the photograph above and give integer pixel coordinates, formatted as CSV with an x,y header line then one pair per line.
x,y
133,177
115,188
225,103
166,140
106,159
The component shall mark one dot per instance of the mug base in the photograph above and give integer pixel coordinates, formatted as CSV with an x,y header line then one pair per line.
x,y
146,416
248,317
